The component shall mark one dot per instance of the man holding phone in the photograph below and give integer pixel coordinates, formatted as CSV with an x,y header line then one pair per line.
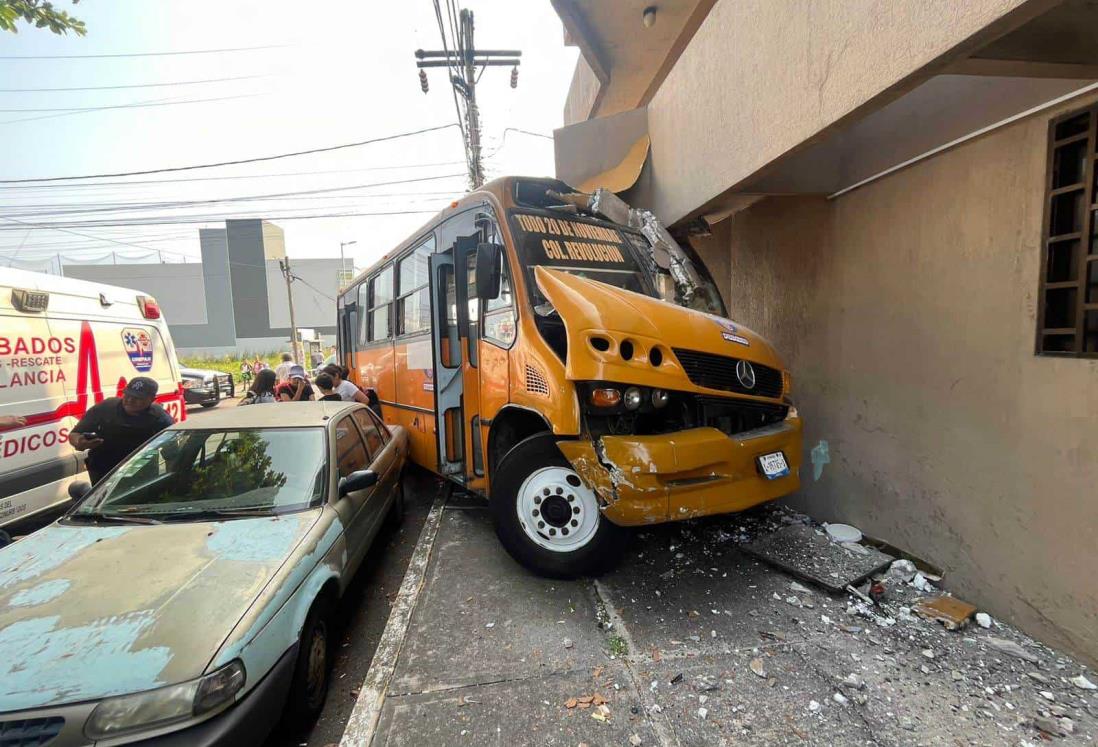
x,y
112,429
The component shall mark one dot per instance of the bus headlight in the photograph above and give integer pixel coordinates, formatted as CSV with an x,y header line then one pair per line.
x,y
660,398
632,398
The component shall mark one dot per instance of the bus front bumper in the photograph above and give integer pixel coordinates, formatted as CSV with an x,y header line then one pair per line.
x,y
697,472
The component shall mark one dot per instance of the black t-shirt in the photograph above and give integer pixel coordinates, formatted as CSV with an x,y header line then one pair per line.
x,y
289,388
121,433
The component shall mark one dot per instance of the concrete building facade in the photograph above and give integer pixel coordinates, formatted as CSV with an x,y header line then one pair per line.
x,y
234,301
900,195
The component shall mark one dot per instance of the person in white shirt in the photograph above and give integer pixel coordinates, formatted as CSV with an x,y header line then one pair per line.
x,y
346,390
282,371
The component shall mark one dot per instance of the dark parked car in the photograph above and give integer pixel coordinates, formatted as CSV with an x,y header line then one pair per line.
x,y
206,388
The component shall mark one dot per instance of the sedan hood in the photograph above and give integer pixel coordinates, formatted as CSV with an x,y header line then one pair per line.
x,y
92,611
591,308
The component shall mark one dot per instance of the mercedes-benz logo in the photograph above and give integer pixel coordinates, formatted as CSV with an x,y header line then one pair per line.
x,y
745,372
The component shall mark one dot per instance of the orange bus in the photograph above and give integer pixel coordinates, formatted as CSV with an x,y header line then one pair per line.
x,y
528,349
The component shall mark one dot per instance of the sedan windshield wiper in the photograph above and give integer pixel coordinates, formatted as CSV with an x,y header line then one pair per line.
x,y
121,518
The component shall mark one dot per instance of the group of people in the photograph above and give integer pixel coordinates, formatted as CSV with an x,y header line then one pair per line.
x,y
288,382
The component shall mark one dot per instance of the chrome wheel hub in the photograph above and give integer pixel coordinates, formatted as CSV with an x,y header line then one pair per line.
x,y
556,510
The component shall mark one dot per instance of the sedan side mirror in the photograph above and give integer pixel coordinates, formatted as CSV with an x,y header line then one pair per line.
x,y
79,489
489,269
360,480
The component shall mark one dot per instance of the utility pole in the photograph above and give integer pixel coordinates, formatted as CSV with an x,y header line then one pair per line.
x,y
344,276
466,64
295,348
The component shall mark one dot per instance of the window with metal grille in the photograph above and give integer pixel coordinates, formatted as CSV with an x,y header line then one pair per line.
x,y
1067,316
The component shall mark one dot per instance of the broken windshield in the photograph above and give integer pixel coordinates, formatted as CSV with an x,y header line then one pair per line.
x,y
582,247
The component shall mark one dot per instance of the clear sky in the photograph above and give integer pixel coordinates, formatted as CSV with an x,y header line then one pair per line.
x,y
343,71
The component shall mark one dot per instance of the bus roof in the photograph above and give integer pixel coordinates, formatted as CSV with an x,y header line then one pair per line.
x,y
502,190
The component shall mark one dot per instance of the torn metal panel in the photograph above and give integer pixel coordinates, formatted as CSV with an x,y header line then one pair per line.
x,y
696,472
807,553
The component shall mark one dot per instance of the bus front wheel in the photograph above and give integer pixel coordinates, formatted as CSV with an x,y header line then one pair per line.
x,y
546,517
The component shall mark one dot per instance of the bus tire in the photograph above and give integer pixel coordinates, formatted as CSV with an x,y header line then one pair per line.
x,y
546,517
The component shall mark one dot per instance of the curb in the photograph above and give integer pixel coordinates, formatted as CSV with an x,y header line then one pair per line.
x,y
363,721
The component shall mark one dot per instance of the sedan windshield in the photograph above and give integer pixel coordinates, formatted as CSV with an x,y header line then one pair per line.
x,y
199,474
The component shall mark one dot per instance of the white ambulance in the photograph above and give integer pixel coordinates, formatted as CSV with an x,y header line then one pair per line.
x,y
65,345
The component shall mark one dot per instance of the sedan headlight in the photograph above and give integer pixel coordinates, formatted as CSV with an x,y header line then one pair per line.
x,y
155,708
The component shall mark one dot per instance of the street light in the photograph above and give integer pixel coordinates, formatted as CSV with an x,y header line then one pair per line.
x,y
343,262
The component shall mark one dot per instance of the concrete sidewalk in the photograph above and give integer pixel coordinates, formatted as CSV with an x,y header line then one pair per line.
x,y
691,642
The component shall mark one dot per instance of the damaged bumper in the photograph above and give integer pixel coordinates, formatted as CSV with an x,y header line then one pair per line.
x,y
696,472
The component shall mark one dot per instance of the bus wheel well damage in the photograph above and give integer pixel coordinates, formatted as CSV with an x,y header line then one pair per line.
x,y
509,428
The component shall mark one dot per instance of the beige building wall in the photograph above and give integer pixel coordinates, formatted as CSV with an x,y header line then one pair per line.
x,y
763,77
907,312
581,94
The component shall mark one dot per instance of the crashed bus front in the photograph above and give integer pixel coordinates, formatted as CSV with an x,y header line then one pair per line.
x,y
655,411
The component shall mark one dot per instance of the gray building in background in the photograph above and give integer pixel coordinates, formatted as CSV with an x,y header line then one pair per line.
x,y
234,301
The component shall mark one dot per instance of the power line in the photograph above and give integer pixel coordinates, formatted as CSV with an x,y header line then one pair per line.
x,y
135,105
327,149
87,236
170,221
138,54
137,206
166,84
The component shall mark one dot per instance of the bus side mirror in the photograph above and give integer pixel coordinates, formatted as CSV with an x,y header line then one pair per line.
x,y
489,269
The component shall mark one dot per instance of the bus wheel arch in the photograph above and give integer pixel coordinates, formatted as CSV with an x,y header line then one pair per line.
x,y
512,425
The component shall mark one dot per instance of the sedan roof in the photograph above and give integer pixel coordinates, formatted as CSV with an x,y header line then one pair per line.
x,y
269,415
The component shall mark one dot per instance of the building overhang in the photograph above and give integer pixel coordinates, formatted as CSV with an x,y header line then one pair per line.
x,y
606,152
628,58
1045,61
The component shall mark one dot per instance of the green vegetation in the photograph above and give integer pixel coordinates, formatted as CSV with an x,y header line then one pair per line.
x,y
228,363
39,13
618,646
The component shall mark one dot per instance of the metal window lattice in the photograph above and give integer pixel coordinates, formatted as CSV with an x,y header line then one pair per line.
x,y
1067,316
32,732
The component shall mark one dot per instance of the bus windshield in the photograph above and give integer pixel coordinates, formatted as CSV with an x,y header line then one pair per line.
x,y
586,248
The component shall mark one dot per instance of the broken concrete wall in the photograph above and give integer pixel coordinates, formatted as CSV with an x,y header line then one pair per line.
x,y
907,312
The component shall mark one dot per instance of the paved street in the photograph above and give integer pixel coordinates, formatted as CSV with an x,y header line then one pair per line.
x,y
692,642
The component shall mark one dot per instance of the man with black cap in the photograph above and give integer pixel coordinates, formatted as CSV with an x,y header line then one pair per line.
x,y
112,429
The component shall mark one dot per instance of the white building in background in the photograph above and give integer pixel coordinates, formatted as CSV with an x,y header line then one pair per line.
x,y
233,301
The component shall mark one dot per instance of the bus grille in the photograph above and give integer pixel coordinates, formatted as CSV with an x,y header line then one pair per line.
x,y
719,372
535,381
31,732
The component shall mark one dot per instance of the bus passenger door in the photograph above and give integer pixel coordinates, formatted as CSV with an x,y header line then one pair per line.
x,y
446,347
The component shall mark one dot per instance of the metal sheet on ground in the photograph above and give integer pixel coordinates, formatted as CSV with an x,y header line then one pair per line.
x,y
804,552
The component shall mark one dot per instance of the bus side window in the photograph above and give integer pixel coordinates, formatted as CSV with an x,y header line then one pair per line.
x,y
380,298
363,314
499,312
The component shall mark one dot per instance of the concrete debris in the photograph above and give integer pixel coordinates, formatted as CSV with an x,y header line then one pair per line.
x,y
703,713
793,600
568,643
950,612
855,548
1038,677
799,588
840,698
920,583
956,676
706,683
758,668
813,706
853,682
1051,726
1011,648
1047,695
902,570
843,533
928,653
703,699
1083,683
635,740
983,620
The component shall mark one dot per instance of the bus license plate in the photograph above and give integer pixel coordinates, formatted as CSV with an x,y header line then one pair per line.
x,y
774,465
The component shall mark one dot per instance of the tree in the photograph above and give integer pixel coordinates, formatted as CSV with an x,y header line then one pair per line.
x,y
41,13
